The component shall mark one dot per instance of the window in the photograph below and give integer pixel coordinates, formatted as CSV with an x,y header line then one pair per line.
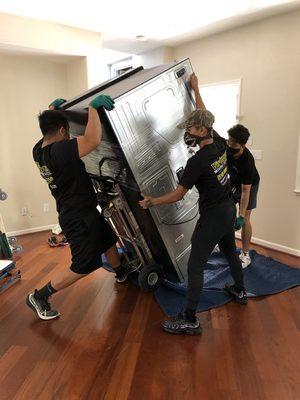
x,y
120,67
223,100
122,71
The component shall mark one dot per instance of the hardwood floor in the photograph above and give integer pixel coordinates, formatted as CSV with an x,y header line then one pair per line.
x,y
107,344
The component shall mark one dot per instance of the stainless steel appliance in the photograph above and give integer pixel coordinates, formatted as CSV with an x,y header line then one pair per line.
x,y
142,145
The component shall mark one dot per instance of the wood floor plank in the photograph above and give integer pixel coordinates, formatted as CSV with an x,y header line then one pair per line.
x,y
108,344
9,359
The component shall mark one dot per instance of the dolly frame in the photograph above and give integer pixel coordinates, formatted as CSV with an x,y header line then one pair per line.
x,y
117,212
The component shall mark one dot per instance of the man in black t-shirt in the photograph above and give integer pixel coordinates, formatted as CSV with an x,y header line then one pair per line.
x,y
245,182
58,159
207,170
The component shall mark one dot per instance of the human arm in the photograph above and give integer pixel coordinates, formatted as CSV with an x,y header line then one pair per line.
x,y
93,131
167,198
195,87
245,195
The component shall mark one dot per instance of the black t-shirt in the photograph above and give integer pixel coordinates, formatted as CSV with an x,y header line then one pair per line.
x,y
207,170
242,170
65,173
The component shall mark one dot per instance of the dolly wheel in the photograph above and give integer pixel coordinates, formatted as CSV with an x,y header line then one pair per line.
x,y
150,277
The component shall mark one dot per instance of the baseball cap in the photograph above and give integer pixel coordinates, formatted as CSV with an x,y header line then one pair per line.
x,y
198,118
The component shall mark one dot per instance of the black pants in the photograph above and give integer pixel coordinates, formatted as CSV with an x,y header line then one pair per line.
x,y
215,226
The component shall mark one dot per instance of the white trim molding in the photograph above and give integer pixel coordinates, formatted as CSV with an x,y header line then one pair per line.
x,y
271,245
261,242
31,230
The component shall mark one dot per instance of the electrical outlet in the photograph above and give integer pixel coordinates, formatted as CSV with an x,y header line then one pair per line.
x,y
24,211
46,207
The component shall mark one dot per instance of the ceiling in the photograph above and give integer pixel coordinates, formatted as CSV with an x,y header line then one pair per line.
x,y
164,23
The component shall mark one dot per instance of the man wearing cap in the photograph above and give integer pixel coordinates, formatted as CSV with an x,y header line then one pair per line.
x,y
207,170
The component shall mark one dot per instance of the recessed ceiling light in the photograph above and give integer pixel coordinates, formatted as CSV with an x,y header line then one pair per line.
x,y
142,38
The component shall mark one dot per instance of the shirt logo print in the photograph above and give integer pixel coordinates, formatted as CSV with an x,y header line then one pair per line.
x,y
220,169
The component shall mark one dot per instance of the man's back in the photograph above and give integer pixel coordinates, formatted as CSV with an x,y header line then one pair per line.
x,y
65,173
207,170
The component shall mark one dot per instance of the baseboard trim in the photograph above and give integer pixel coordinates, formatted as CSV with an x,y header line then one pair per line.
x,y
261,242
273,246
31,230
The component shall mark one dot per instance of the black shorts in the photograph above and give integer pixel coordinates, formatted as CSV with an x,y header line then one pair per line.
x,y
89,236
252,198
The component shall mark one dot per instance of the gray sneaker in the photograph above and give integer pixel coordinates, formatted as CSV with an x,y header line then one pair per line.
x,y
181,325
41,306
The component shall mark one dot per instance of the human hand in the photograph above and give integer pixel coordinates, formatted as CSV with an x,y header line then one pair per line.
x,y
103,101
146,202
239,223
194,81
56,104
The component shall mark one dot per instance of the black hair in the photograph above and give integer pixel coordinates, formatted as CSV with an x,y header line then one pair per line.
x,y
239,133
51,121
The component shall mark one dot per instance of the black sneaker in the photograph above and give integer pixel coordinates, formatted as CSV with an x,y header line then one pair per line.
x,y
41,306
240,296
181,325
127,268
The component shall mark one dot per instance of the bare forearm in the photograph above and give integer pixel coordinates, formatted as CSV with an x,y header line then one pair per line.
x,y
244,203
167,198
93,131
198,99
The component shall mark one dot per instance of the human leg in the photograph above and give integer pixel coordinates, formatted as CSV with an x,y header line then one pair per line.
x,y
228,247
246,232
246,239
204,239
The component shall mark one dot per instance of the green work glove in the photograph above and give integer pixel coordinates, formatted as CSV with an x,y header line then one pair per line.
x,y
103,101
56,104
239,222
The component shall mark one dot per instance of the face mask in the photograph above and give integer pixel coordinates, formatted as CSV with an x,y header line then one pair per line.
x,y
192,141
231,151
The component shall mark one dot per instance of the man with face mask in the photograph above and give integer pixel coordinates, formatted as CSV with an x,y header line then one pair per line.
x,y
245,182
207,170
58,159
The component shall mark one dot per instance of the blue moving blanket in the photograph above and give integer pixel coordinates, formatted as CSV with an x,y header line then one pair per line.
x,y
264,276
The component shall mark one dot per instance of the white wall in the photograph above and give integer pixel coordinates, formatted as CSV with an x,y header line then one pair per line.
x,y
40,70
266,56
28,84
77,77
46,37
154,57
